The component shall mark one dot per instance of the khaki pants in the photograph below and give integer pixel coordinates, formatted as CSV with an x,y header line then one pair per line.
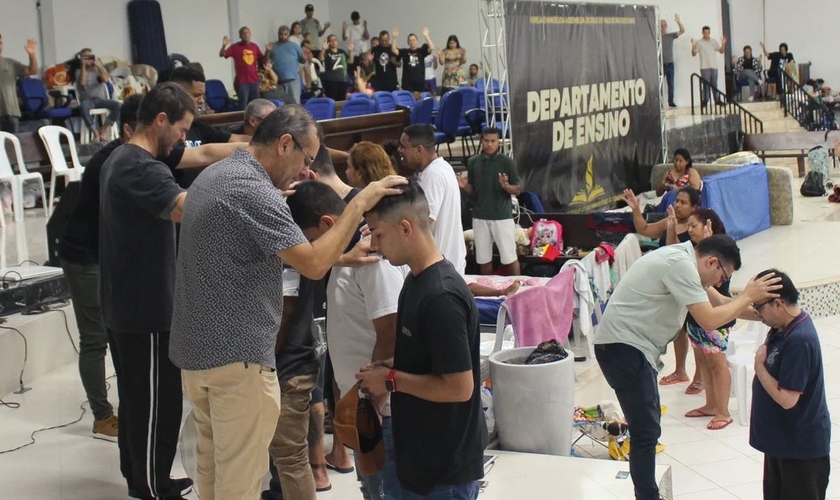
x,y
236,409
289,447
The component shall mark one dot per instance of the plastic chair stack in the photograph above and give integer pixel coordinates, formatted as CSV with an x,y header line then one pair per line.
x,y
51,135
7,174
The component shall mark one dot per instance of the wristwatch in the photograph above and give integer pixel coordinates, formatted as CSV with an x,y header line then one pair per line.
x,y
390,382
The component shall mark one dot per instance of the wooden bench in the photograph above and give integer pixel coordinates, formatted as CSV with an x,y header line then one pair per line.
x,y
339,133
789,145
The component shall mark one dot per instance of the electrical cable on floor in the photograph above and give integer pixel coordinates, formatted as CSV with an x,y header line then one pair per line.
x,y
60,426
25,352
10,404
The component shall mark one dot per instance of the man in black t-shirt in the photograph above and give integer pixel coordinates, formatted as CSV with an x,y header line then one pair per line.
x,y
778,60
439,431
385,77
140,202
200,133
79,254
412,58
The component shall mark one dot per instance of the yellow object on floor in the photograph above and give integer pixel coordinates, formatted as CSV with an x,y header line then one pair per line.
x,y
621,451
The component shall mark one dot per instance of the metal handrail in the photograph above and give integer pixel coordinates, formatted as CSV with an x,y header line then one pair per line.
x,y
720,105
809,112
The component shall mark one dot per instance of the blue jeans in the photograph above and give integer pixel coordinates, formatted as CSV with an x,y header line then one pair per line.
x,y
113,108
634,381
385,485
466,491
669,78
246,93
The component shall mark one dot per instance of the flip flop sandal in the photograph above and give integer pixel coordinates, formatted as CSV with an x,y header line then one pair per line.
x,y
716,425
698,414
694,388
320,466
672,379
340,470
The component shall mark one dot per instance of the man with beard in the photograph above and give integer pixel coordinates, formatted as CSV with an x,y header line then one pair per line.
x,y
140,202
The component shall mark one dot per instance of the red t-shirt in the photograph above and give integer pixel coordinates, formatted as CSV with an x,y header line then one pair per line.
x,y
246,61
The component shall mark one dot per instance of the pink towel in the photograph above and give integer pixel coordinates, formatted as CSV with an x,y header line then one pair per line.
x,y
544,312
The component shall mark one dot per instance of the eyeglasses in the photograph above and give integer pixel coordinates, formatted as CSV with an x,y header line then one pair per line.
x,y
758,307
726,277
309,159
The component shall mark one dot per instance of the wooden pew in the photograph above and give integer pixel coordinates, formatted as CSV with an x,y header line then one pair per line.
x,y
339,133
789,145
34,152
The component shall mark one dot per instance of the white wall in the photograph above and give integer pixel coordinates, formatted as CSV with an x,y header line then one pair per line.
x,y
445,17
18,22
811,34
263,17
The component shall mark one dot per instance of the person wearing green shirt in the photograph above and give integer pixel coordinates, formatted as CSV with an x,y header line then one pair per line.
x,y
491,180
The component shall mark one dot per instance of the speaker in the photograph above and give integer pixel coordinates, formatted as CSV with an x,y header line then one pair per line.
x,y
57,224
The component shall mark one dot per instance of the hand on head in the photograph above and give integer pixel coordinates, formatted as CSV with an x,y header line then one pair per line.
x,y
761,289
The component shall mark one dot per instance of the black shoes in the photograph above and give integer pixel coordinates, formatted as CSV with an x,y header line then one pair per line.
x,y
179,487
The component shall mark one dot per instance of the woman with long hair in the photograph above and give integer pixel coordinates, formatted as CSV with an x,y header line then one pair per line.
x,y
452,58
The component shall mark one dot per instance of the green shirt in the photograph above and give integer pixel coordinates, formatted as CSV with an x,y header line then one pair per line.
x,y
648,307
491,202
10,71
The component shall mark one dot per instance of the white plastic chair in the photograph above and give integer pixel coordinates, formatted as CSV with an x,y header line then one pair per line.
x,y
101,114
51,135
7,174
742,366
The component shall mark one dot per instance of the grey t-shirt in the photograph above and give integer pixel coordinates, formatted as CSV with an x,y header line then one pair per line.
x,y
668,46
648,306
708,50
89,85
229,284
10,71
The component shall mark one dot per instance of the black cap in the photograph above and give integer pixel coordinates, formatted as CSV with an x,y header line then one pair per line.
x,y
308,7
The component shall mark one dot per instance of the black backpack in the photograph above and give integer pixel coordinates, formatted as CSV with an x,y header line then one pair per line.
x,y
813,185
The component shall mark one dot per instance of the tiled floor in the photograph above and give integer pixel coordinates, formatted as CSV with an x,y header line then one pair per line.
x,y
718,465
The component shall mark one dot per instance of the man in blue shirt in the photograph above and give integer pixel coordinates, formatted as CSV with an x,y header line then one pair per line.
x,y
789,422
286,57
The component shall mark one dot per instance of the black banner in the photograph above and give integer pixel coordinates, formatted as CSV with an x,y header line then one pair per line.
x,y
585,100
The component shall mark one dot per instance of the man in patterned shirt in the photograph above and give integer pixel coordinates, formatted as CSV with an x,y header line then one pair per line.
x,y
235,236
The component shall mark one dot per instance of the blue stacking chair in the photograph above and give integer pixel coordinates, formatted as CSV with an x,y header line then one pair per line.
x,y
385,102
322,108
217,97
358,107
404,98
448,119
422,111
35,104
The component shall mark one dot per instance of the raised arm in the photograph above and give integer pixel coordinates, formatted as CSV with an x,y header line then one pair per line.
x,y
225,43
764,50
429,41
654,230
326,27
722,47
103,75
682,28
31,47
693,47
395,34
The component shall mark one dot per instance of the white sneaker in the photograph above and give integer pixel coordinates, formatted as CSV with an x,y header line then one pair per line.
x,y
751,98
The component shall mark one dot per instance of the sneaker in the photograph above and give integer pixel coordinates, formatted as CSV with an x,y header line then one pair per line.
x,y
751,98
108,426
671,104
180,487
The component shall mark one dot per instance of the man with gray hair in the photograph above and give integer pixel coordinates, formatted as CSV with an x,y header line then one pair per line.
x,y
286,57
236,234
255,113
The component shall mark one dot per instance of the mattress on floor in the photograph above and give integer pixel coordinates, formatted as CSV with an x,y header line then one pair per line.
x,y
741,198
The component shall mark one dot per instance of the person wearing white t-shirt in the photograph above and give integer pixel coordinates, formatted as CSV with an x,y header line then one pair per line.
x,y
708,48
356,34
361,314
437,178
431,63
